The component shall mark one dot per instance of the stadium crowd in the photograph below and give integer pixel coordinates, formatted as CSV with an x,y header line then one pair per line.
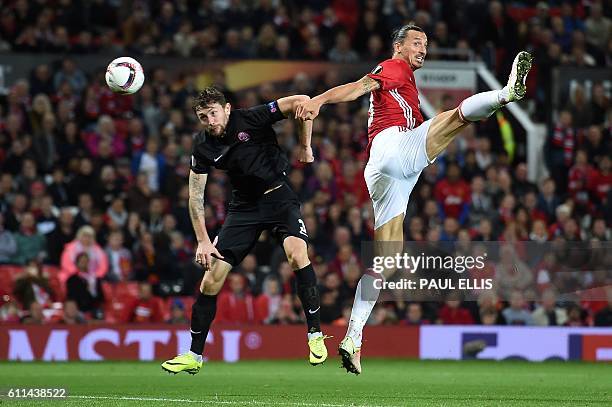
x,y
93,186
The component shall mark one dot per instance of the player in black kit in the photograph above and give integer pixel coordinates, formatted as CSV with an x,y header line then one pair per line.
x,y
243,143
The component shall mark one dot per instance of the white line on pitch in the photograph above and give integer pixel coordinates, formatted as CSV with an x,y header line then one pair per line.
x,y
221,402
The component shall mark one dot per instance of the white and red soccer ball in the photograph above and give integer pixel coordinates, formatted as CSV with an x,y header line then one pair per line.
x,y
124,75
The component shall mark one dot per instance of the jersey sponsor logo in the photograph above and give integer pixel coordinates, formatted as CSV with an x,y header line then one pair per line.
x,y
244,136
377,70
272,106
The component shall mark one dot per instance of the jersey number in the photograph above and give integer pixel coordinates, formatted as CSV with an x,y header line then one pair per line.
x,y
302,227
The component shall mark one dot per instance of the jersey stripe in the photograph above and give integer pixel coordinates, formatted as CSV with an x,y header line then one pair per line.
x,y
412,119
410,122
371,110
407,106
394,96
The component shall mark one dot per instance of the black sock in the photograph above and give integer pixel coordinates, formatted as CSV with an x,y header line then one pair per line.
x,y
308,291
202,314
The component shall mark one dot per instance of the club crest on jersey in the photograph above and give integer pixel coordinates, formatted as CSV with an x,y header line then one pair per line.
x,y
272,106
377,70
244,136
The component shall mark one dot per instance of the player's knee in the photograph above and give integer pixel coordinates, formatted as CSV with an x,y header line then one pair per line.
x,y
296,251
210,285
297,257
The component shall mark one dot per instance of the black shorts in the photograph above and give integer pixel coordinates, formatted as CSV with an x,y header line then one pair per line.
x,y
277,211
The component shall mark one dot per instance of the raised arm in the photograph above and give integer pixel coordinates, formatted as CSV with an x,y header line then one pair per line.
x,y
205,250
288,106
308,110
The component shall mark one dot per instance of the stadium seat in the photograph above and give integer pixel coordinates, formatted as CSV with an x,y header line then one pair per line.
x,y
126,289
55,283
7,278
108,290
119,299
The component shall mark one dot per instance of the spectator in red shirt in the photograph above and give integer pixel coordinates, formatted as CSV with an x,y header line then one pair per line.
x,y
236,305
453,193
269,302
147,308
344,258
352,180
452,313
32,286
581,179
581,175
602,179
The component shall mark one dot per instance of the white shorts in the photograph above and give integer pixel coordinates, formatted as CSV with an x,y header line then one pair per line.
x,y
397,158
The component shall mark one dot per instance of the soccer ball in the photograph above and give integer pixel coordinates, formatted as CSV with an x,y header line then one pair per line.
x,y
124,75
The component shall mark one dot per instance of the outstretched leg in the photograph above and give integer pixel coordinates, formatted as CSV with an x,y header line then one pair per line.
x,y
477,107
387,197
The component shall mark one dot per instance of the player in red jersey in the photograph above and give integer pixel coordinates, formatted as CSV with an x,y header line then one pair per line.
x,y
400,146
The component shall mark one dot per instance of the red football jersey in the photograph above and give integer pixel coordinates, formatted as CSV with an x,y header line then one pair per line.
x,y
452,196
396,102
601,184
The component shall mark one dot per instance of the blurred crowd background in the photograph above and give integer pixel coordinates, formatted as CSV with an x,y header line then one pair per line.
x,y
94,224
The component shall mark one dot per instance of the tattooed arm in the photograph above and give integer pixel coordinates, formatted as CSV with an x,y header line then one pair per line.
x,y
205,250
344,93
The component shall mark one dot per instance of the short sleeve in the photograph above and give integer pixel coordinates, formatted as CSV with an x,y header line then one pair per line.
x,y
199,166
263,115
389,74
199,163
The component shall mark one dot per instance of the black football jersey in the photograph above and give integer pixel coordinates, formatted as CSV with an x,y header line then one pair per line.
x,y
248,151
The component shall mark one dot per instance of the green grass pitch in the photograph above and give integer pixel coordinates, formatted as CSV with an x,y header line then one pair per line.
x,y
296,383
